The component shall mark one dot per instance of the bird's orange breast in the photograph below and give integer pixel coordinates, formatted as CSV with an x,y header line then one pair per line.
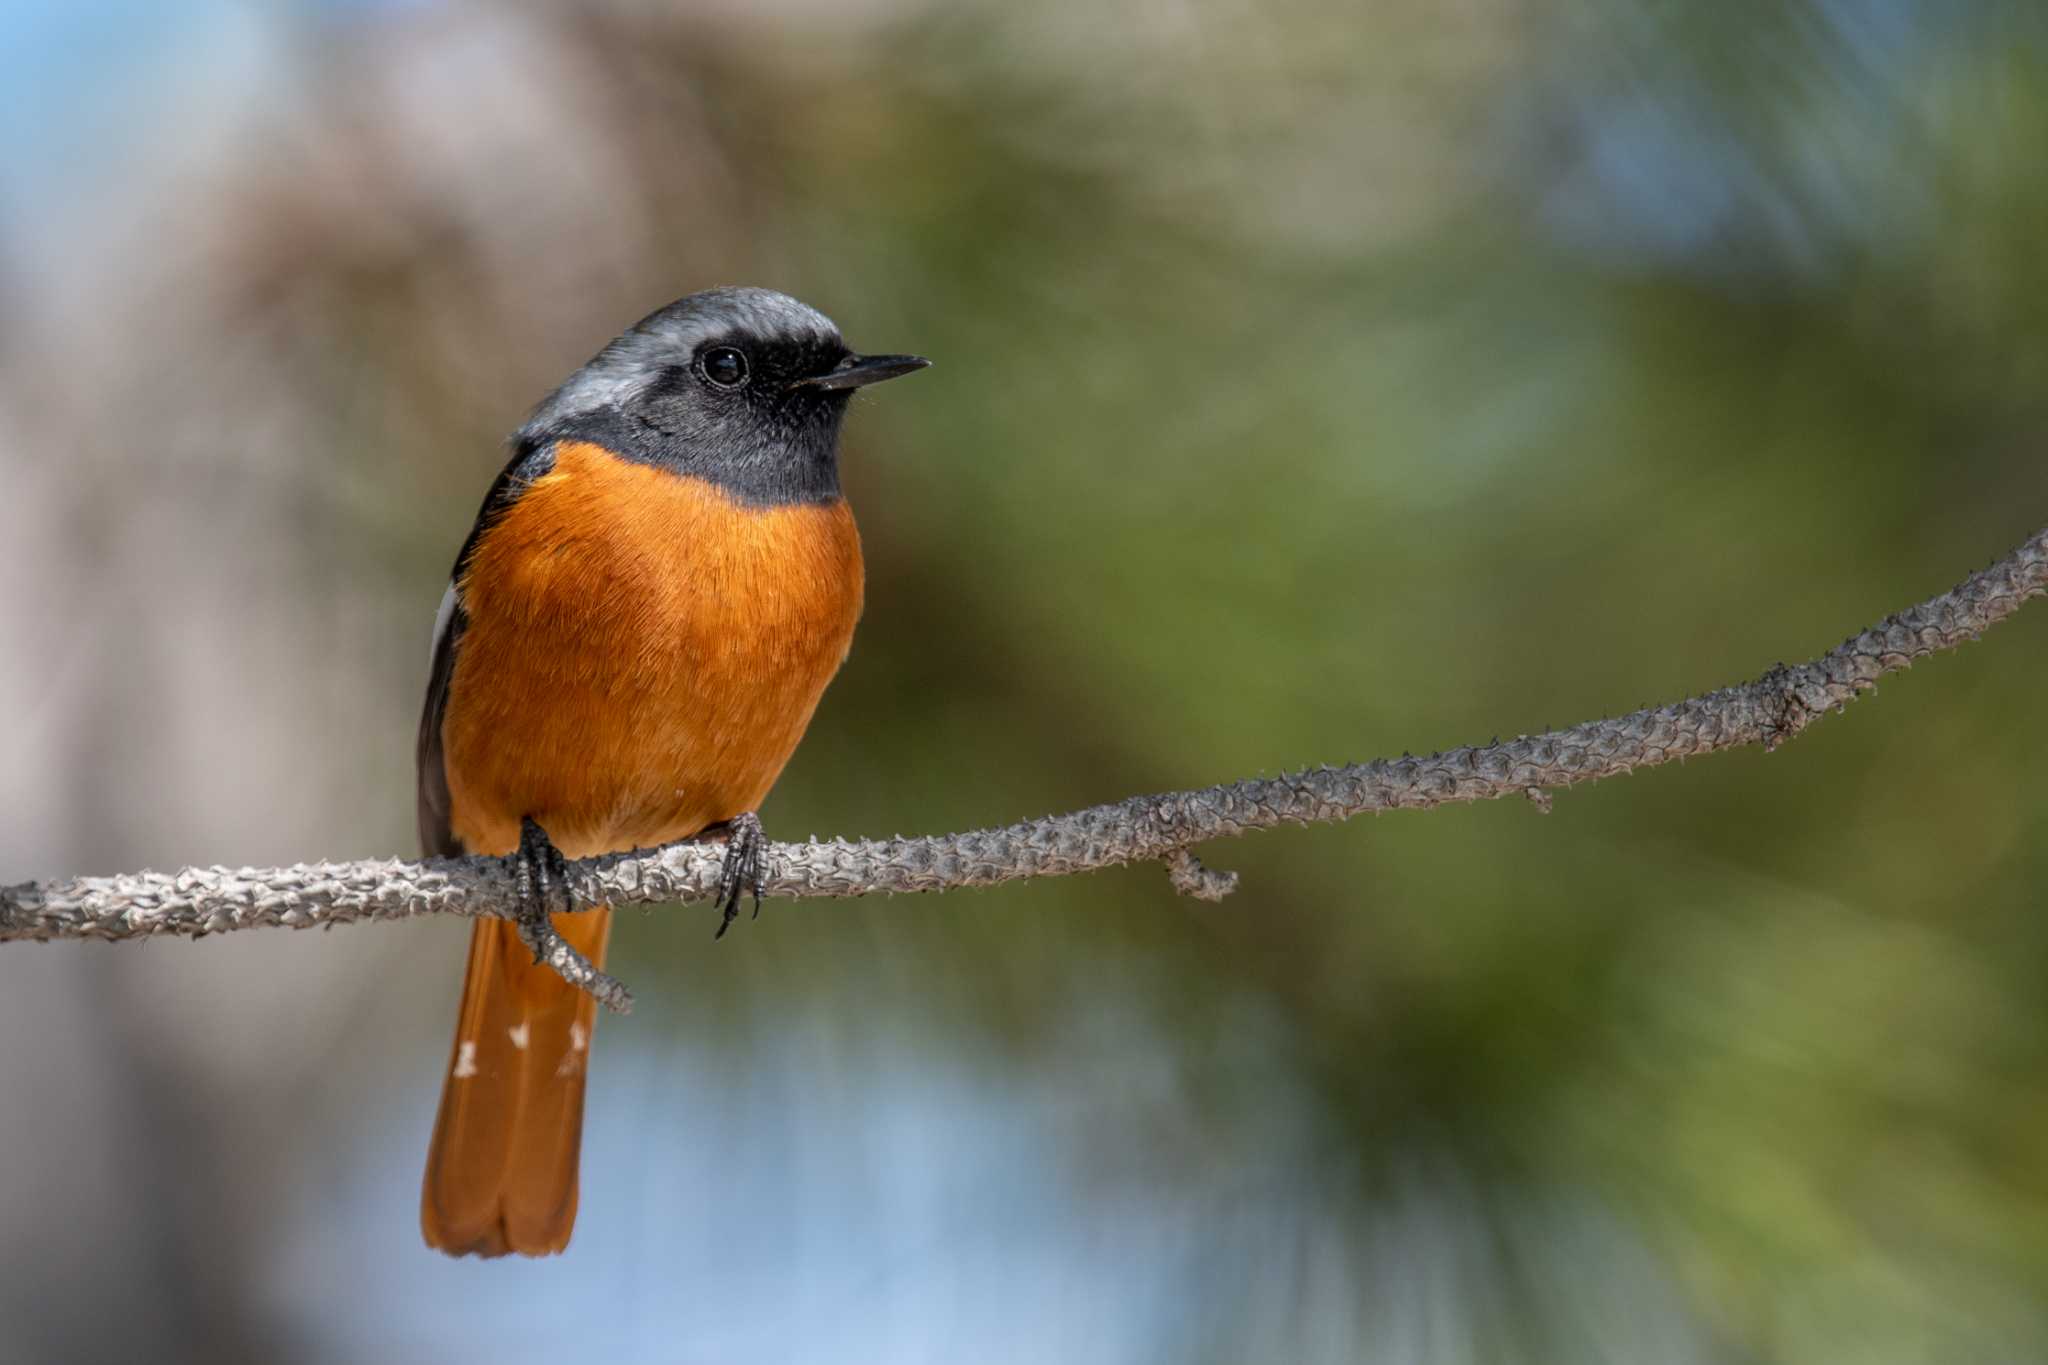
x,y
642,655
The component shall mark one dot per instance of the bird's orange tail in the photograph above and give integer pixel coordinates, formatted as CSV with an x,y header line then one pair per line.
x,y
501,1172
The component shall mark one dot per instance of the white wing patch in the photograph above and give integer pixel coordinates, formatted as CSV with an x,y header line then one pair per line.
x,y
579,1037
442,617
519,1033
465,1060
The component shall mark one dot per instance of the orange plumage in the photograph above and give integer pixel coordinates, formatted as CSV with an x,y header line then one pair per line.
x,y
643,653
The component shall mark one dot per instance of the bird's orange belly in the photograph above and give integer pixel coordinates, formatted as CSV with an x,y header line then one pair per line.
x,y
643,654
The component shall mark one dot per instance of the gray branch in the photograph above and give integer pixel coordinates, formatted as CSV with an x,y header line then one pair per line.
x,y
1165,827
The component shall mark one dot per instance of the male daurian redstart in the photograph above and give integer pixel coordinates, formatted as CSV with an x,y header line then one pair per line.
x,y
655,594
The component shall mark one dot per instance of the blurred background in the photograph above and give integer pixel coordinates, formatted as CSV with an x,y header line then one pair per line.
x,y
1313,382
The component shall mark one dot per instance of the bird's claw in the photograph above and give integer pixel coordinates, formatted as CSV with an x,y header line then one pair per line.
x,y
540,863
742,871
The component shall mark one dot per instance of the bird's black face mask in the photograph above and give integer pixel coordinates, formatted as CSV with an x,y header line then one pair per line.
x,y
742,391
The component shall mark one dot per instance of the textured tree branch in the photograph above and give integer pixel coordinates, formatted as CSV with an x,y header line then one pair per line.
x,y
1165,827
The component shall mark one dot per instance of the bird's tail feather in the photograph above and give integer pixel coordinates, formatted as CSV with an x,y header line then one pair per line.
x,y
501,1171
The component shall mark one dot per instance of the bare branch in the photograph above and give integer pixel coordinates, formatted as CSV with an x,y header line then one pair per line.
x,y
1165,827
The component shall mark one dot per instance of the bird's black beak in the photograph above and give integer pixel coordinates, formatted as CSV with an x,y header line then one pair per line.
x,y
858,370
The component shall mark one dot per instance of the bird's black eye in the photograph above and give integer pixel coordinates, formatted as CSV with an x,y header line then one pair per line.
x,y
724,366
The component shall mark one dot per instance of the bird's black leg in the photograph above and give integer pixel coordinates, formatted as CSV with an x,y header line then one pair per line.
x,y
742,872
539,863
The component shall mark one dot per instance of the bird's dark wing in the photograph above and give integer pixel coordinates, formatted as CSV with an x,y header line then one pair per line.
x,y
437,838
437,835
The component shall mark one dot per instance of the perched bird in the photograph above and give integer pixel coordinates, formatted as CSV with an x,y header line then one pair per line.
x,y
656,592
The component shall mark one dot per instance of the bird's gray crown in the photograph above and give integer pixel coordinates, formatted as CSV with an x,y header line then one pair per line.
x,y
640,356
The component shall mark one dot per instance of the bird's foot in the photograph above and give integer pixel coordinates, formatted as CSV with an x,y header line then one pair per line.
x,y
742,872
539,863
